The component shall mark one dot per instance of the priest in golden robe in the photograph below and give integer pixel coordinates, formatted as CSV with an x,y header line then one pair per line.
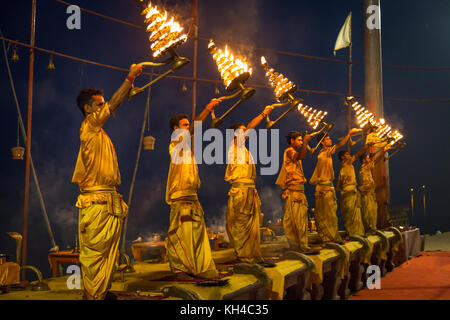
x,y
292,180
350,202
367,186
243,216
325,195
187,242
101,208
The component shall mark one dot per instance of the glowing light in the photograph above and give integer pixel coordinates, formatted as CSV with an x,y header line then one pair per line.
x,y
229,66
383,130
165,33
312,116
282,86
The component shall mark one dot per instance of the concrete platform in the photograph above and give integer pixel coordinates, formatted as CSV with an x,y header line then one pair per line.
x,y
333,274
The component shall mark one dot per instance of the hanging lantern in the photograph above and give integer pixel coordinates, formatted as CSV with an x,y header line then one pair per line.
x,y
15,56
216,91
18,151
184,88
149,143
51,66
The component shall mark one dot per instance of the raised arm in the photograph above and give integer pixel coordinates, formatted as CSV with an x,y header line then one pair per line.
x,y
345,139
360,152
122,92
205,112
255,121
302,154
380,153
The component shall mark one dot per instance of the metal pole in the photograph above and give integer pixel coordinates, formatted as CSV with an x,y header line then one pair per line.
x,y
194,67
138,156
373,92
28,146
349,115
424,209
412,206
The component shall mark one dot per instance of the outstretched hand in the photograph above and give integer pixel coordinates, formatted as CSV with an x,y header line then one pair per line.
x,y
268,110
135,70
213,103
354,130
307,137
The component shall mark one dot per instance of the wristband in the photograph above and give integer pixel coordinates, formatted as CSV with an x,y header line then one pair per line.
x,y
263,114
131,79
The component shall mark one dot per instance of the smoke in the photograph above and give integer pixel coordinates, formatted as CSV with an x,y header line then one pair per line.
x,y
218,223
272,204
59,196
65,217
148,213
395,121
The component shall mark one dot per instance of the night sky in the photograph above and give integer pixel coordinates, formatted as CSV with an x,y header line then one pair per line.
x,y
414,33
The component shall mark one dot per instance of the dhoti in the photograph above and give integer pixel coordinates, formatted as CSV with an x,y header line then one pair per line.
x,y
351,212
100,224
325,213
369,208
295,220
187,243
243,222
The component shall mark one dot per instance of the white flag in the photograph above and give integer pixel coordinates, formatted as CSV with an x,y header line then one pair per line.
x,y
345,35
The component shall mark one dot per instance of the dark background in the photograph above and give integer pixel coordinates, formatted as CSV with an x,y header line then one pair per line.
x,y
414,33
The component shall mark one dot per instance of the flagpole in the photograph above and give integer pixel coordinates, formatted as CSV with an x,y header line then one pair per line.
x,y
349,116
28,142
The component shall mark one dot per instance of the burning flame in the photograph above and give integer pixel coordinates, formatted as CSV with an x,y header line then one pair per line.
x,y
313,116
281,84
364,117
229,67
283,87
164,33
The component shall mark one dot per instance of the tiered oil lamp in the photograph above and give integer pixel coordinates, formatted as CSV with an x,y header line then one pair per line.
x,y
284,89
383,133
234,72
165,35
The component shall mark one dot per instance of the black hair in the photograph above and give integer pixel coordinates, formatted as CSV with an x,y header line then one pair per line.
x,y
341,154
292,135
362,157
236,126
85,97
320,136
175,120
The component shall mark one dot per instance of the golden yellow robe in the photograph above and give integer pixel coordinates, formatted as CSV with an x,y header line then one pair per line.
x,y
101,209
369,206
295,220
350,203
187,243
244,206
325,196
